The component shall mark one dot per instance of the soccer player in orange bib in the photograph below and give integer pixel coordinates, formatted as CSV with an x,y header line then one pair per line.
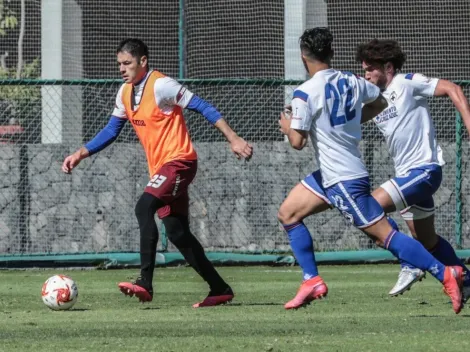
x,y
154,103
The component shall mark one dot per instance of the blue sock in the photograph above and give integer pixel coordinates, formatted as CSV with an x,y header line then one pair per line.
x,y
302,245
394,225
404,264
445,253
411,251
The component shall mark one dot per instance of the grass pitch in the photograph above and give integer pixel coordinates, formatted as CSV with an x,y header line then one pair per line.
x,y
357,316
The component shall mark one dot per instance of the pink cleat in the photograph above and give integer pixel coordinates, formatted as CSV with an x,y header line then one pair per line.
x,y
453,282
133,289
310,290
213,299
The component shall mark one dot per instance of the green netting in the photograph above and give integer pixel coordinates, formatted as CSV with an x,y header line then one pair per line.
x,y
233,203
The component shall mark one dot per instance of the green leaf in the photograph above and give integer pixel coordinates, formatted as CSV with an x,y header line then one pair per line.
x,y
13,21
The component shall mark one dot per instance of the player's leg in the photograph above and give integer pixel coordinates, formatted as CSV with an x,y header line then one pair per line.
x,y
420,221
305,199
176,221
411,251
353,199
408,249
145,210
165,186
179,233
398,194
408,274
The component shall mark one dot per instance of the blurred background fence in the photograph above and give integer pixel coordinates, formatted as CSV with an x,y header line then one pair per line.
x,y
58,81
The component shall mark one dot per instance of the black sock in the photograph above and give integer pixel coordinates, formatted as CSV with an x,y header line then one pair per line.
x,y
177,229
145,212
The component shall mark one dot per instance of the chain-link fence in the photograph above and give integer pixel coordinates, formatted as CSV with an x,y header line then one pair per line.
x,y
233,203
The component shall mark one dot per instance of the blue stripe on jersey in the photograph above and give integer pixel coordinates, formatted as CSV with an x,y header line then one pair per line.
x,y
409,76
301,95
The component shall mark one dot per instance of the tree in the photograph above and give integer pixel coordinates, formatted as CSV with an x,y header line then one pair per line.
x,y
18,103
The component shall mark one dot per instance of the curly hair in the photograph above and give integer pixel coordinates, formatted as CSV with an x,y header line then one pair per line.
x,y
380,52
315,43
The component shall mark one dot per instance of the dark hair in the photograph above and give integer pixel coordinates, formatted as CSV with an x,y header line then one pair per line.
x,y
135,47
380,52
315,43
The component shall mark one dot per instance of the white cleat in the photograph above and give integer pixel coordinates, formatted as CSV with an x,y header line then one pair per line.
x,y
406,278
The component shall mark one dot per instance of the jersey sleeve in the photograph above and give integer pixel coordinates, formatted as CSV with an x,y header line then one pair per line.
x,y
169,92
421,85
119,109
302,114
370,92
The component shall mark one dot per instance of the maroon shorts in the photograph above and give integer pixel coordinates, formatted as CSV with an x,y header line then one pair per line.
x,y
170,184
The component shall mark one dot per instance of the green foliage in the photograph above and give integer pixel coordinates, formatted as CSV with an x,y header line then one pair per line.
x,y
21,101
8,19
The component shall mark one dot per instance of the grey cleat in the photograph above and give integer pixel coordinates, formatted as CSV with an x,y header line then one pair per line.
x,y
406,278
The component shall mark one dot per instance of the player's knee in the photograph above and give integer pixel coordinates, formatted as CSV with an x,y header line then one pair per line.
x,y
282,215
147,205
379,243
286,216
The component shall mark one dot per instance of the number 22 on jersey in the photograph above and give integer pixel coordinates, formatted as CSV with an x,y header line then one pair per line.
x,y
340,113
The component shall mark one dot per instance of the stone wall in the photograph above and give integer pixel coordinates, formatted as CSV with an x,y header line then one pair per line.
x,y
233,203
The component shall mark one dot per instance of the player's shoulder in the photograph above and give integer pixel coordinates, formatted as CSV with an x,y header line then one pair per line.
x,y
161,81
354,79
310,90
121,90
165,82
409,77
350,74
402,81
303,91
315,84
403,77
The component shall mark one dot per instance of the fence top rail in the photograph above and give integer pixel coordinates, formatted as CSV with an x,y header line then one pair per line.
x,y
204,81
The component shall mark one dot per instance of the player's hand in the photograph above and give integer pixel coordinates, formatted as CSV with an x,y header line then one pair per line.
x,y
284,120
72,161
241,148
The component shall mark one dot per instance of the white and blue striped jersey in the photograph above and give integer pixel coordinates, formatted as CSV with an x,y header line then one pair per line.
x,y
406,123
329,107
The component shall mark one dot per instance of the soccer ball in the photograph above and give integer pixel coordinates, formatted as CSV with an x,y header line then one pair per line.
x,y
59,292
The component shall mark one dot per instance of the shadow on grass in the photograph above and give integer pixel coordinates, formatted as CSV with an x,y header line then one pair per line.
x,y
436,316
150,308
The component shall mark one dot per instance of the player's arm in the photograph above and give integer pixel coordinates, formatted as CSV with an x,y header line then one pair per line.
x,y
171,92
455,93
297,138
104,138
297,127
374,101
372,109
